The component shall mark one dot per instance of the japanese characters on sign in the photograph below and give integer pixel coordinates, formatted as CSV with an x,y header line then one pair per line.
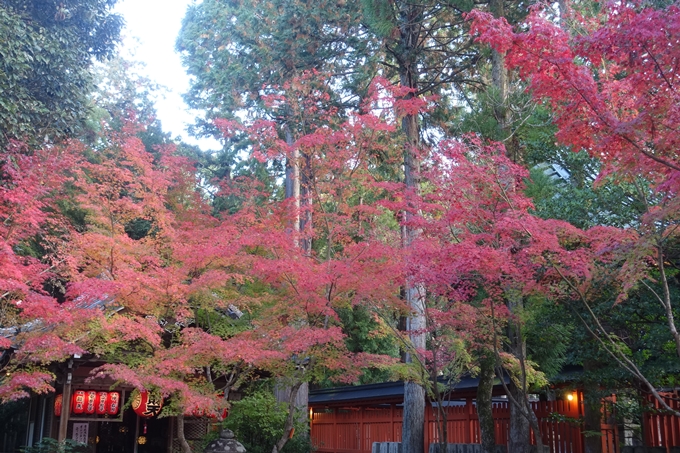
x,y
80,432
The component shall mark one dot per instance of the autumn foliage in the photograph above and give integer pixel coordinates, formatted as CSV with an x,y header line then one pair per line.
x,y
614,91
147,266
113,250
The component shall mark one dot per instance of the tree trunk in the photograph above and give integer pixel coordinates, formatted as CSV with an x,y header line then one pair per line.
x,y
413,436
592,419
592,411
305,205
499,73
282,393
485,404
440,412
290,420
519,436
522,416
301,218
500,81
292,183
186,448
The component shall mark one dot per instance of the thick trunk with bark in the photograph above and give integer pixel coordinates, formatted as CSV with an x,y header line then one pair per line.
x,y
186,448
500,80
413,435
485,404
413,438
282,394
502,111
499,73
519,435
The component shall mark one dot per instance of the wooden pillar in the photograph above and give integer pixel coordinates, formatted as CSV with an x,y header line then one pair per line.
x,y
172,428
65,405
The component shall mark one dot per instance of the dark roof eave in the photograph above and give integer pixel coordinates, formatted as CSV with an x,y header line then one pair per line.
x,y
384,391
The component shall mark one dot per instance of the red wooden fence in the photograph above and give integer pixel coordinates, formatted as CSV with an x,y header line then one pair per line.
x,y
354,429
662,429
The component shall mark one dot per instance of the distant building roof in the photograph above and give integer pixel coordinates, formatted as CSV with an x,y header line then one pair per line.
x,y
384,391
82,303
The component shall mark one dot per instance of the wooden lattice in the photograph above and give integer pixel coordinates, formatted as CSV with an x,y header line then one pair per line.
x,y
194,432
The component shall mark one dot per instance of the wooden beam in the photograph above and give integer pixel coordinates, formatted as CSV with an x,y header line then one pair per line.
x,y
65,408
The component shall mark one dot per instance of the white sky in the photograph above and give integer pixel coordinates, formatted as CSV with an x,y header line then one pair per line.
x,y
149,36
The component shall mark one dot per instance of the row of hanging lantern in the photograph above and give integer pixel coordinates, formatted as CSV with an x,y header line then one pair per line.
x,y
90,402
145,404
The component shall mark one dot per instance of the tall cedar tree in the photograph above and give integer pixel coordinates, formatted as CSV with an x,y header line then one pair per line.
x,y
238,51
427,51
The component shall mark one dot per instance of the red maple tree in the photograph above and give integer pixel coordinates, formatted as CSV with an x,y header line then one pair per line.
x,y
614,91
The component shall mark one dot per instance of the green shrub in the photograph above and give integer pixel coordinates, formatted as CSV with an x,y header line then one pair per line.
x,y
49,445
257,422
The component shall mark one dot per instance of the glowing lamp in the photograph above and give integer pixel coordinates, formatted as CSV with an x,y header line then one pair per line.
x,y
58,403
78,402
102,398
90,402
112,403
146,404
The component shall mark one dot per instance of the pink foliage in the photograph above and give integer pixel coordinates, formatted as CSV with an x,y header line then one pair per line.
x,y
614,89
14,387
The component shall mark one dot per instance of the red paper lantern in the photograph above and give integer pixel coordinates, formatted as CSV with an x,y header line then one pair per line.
x,y
112,403
225,414
78,402
146,404
58,403
90,402
102,398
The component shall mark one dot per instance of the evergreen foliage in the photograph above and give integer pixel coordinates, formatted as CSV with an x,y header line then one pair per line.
x,y
46,52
